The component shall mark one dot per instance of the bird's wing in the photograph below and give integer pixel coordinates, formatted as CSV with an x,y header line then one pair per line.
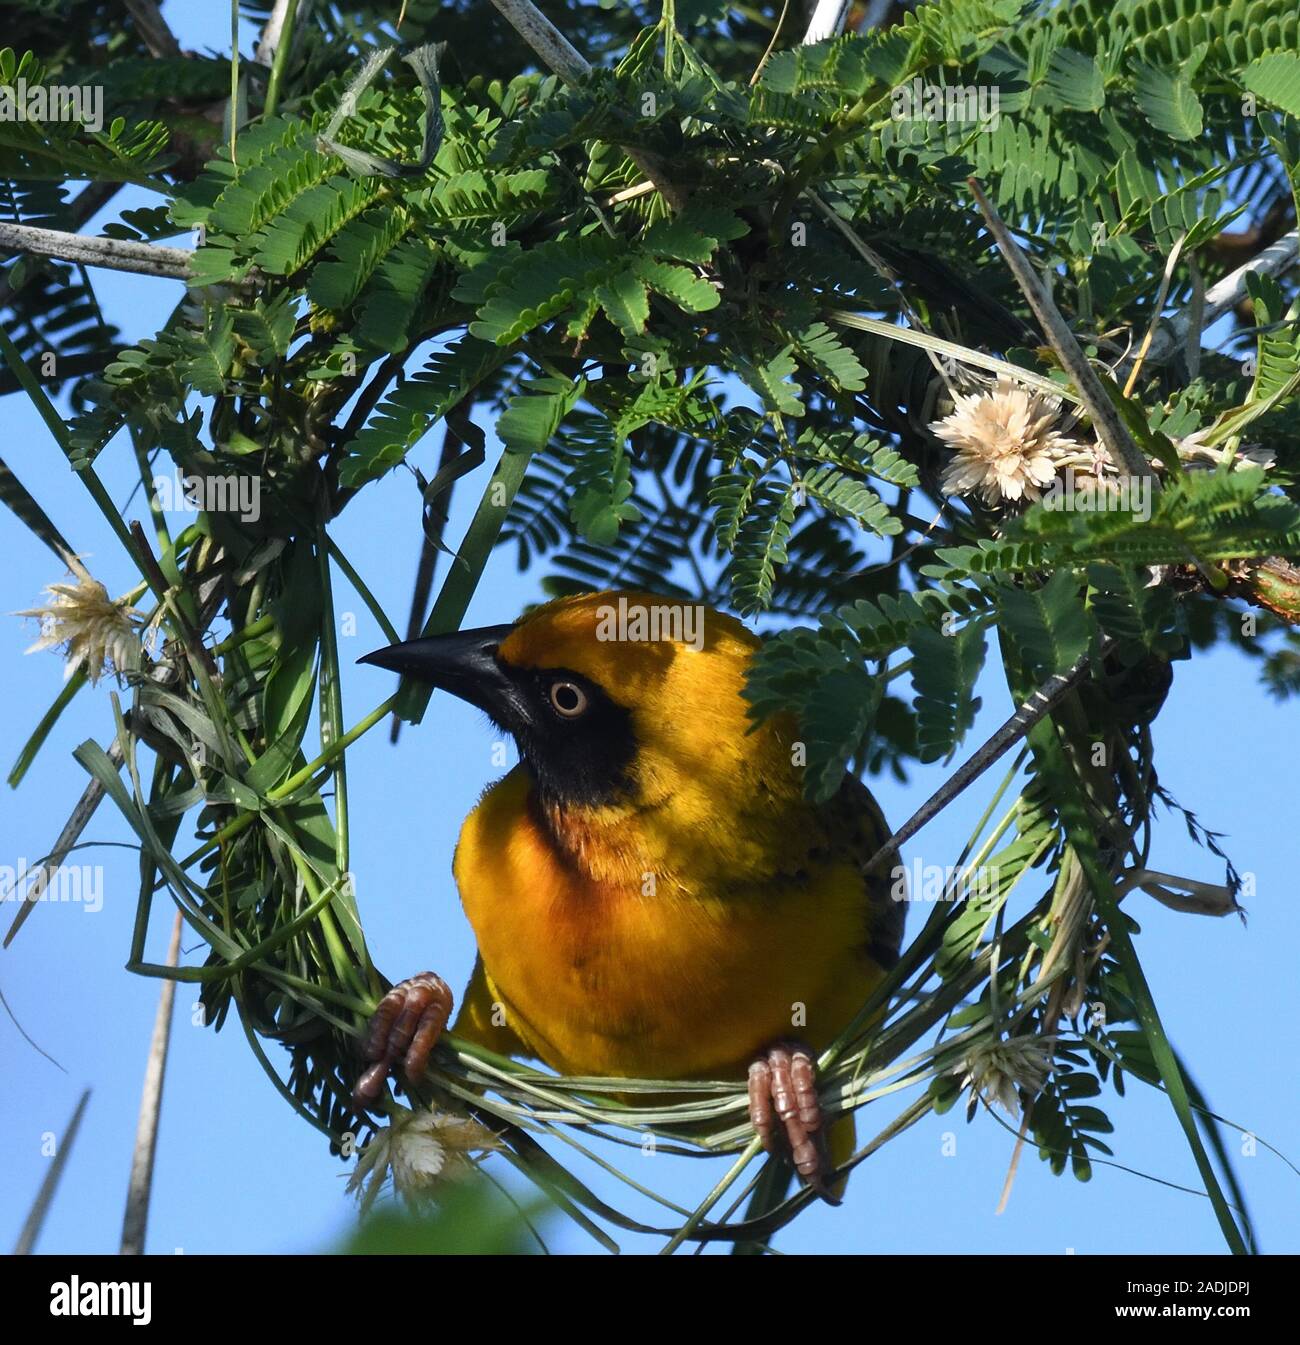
x,y
857,829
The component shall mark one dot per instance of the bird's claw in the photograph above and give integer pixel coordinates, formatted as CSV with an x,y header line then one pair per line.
x,y
786,1114
405,1026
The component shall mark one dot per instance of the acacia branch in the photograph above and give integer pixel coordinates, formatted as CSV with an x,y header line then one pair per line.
x,y
270,39
555,50
1273,583
92,796
1040,703
827,19
44,1197
1187,326
113,254
1111,430
89,202
154,32
140,1185
562,58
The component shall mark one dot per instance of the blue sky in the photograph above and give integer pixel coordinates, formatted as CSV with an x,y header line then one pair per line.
x,y
237,1170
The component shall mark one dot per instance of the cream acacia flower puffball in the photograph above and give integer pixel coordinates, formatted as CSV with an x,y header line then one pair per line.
x,y
96,632
998,1071
419,1150
1006,446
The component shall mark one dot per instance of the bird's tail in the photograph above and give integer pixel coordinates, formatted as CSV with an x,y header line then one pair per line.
x,y
842,1141
777,1173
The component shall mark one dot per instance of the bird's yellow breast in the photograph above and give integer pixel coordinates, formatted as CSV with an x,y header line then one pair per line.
x,y
659,961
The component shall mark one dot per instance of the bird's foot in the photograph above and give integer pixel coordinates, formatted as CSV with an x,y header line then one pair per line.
x,y
406,1027
786,1115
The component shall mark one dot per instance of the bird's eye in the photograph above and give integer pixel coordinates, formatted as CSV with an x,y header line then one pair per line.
x,y
569,699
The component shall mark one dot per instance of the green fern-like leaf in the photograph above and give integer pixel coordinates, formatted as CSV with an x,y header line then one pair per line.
x,y
535,413
1048,626
392,300
526,289
1131,610
1170,102
601,486
300,231
944,673
625,301
773,380
354,254
694,235
1276,79
407,414
881,627
691,293
1075,82
850,498
266,328
835,721
732,495
760,546
821,350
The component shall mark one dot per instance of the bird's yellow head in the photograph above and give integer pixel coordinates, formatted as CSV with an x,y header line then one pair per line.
x,y
616,697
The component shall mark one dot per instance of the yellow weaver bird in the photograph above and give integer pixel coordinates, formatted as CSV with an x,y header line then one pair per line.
x,y
651,893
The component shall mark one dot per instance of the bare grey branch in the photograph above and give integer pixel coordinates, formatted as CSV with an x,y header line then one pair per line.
x,y
113,254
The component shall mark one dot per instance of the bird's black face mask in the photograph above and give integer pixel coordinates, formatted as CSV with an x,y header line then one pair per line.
x,y
576,741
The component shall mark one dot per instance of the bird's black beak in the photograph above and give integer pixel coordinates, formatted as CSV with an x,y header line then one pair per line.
x,y
463,663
